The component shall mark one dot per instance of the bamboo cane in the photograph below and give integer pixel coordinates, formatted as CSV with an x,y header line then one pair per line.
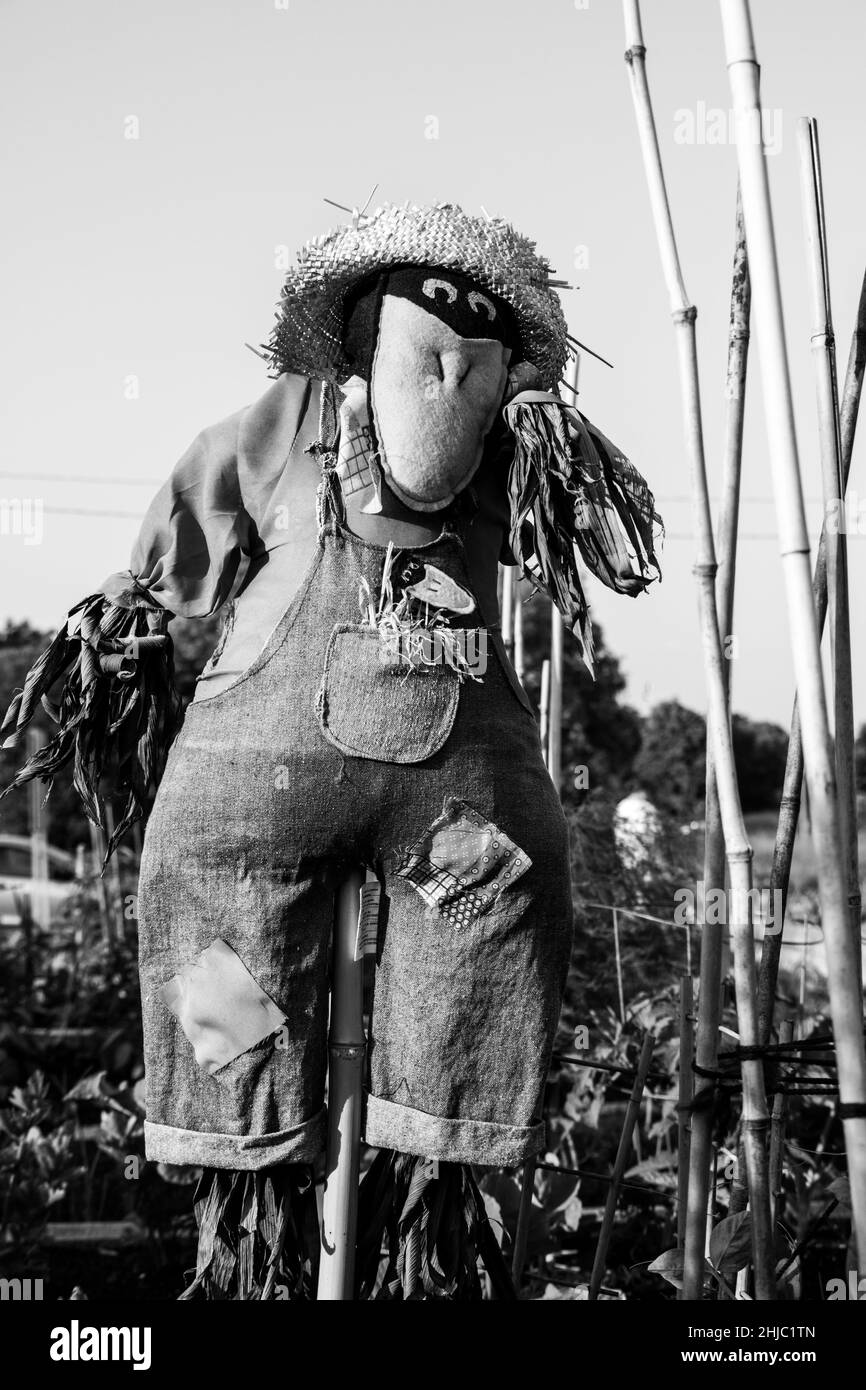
x,y
853,384
729,513
618,963
735,396
521,1230
554,733
711,1197
519,659
551,739
738,849
686,1092
789,808
777,1130
40,910
830,443
801,1009
346,1049
544,707
116,893
712,955
843,966
631,1114
735,414
97,854
554,728
507,572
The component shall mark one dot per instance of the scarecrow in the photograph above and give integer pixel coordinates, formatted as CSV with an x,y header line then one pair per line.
x,y
359,709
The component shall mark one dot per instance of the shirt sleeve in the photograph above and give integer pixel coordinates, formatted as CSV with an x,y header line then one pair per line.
x,y
195,534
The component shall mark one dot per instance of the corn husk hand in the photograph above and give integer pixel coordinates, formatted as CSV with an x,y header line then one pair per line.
x,y
576,500
117,710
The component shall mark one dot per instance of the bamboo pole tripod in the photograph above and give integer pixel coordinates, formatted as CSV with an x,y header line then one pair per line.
x,y
811,749
843,962
832,470
737,847
793,779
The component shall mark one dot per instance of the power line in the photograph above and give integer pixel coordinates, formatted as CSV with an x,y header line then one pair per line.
x,y
93,511
103,481
756,497
139,516
81,478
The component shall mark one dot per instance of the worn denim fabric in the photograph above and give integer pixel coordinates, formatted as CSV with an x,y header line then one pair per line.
x,y
273,789
370,707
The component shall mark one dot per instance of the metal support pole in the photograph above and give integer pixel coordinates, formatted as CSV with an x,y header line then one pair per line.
x,y
346,1049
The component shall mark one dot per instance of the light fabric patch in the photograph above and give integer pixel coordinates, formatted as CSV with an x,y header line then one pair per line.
x,y
356,464
462,863
219,1006
439,589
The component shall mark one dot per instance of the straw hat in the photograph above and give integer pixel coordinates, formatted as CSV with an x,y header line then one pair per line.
x,y
309,330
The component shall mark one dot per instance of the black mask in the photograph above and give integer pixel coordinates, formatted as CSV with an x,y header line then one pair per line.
x,y
453,297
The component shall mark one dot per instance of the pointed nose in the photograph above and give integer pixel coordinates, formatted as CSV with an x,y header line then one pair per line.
x,y
453,367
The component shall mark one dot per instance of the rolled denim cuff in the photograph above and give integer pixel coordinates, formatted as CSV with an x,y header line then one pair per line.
x,y
390,1126
303,1144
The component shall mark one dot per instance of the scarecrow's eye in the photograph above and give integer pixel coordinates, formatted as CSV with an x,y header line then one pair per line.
x,y
430,288
479,302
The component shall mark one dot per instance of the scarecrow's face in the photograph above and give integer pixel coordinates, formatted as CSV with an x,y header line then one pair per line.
x,y
437,349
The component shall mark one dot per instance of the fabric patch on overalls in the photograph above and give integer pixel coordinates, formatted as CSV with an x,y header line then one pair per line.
x,y
435,587
219,1006
462,863
353,460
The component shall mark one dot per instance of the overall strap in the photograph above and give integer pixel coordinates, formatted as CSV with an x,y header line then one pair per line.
x,y
330,510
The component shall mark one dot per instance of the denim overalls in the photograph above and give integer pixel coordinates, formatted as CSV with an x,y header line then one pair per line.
x,y
321,757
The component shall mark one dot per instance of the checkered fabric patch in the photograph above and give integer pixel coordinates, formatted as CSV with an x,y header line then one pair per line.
x,y
462,863
353,462
435,885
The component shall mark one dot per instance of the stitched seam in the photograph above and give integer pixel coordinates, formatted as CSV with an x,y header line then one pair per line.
x,y
501,659
444,535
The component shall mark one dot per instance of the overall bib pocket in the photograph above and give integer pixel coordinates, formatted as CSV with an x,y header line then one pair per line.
x,y
371,708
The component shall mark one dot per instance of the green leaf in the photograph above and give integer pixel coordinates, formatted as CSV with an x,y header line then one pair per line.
x,y
670,1266
95,1087
840,1188
731,1243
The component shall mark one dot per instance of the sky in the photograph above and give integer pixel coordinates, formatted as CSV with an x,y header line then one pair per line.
x,y
162,160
